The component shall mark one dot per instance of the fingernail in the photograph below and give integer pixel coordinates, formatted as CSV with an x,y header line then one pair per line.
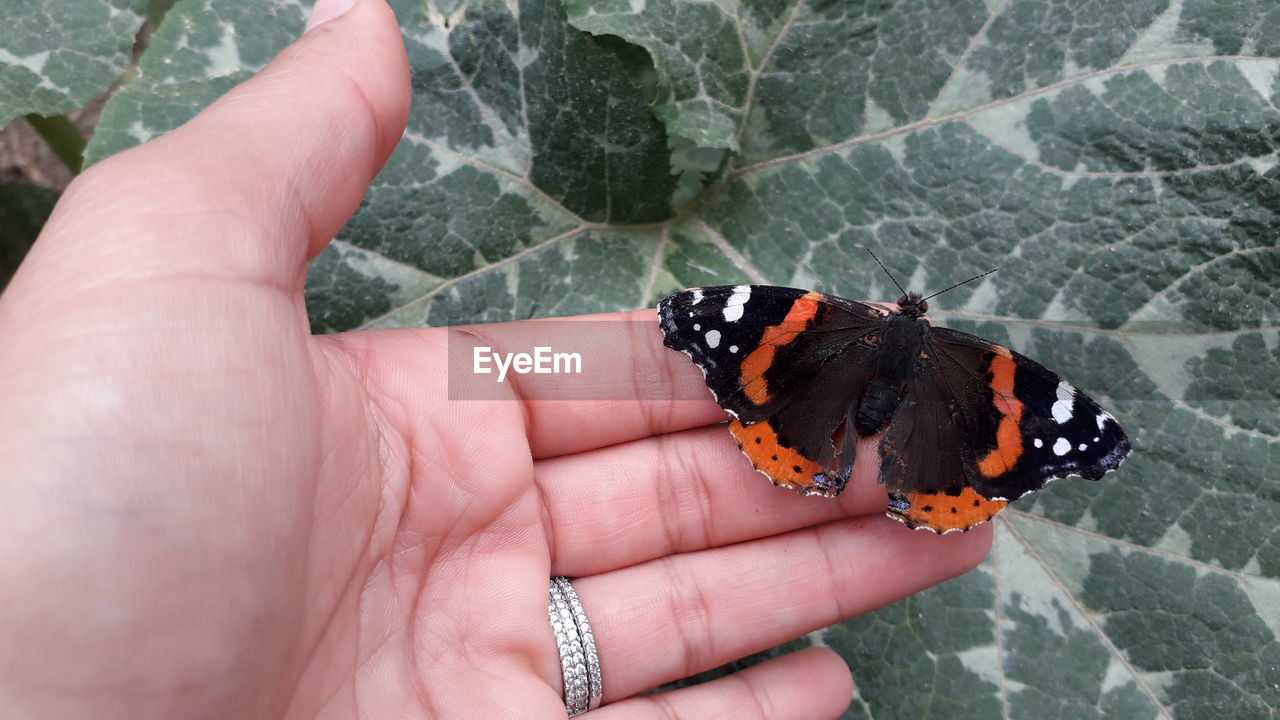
x,y
325,10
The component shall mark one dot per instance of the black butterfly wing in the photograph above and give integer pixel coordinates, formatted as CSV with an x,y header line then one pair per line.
x,y
981,426
788,365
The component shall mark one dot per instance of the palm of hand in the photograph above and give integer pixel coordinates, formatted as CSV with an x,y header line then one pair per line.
x,y
210,512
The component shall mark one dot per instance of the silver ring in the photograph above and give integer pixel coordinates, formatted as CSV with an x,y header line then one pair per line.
x,y
579,663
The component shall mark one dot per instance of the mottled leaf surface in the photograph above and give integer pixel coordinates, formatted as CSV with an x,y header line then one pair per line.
x,y
1117,161
56,55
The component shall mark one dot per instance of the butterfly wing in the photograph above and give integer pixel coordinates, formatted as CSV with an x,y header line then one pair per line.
x,y
981,426
788,365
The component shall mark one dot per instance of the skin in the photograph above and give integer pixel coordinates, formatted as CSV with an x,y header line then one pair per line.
x,y
208,512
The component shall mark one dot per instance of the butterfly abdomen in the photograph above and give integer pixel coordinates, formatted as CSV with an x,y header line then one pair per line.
x,y
879,403
900,343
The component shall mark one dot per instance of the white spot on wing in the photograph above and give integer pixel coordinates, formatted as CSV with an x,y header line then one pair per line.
x,y
1102,419
1061,446
1038,442
736,303
713,339
697,295
733,348
1066,399
697,327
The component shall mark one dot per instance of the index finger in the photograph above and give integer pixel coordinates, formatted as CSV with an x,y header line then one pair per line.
x,y
584,382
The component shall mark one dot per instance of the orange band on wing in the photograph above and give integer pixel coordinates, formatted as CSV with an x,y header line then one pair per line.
x,y
1008,436
941,512
783,465
754,365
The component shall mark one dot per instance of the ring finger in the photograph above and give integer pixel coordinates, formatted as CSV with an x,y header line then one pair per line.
x,y
682,614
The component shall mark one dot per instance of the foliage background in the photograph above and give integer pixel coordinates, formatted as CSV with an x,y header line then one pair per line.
x,y
1116,160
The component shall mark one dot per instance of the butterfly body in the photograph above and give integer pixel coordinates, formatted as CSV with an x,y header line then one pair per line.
x,y
965,425
900,339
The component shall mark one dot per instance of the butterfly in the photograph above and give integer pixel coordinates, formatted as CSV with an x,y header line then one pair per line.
x,y
966,425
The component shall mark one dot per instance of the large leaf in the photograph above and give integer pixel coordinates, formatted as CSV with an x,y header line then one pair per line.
x,y
57,55
1116,160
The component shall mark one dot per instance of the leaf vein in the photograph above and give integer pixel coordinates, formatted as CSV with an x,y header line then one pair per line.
x,y
658,254
1088,617
1136,547
496,170
974,43
451,282
929,122
351,247
749,97
1177,282
731,253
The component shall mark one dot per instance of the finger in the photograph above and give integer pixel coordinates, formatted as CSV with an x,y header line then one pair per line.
x,y
671,618
630,385
676,493
259,180
806,685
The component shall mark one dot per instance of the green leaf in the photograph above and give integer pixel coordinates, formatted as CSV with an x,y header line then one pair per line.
x,y
23,210
57,55
698,51
201,50
1117,161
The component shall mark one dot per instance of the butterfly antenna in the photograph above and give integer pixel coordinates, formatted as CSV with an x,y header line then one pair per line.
x,y
886,270
953,287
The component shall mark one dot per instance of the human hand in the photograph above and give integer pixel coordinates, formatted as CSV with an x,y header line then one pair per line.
x,y
210,513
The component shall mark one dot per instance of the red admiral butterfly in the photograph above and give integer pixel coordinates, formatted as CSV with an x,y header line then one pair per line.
x,y
968,425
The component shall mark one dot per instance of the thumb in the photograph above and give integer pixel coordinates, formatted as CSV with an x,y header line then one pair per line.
x,y
256,183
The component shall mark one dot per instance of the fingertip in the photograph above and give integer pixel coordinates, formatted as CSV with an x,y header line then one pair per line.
x,y
906,560
951,554
978,545
811,683
325,10
363,38
269,172
822,669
